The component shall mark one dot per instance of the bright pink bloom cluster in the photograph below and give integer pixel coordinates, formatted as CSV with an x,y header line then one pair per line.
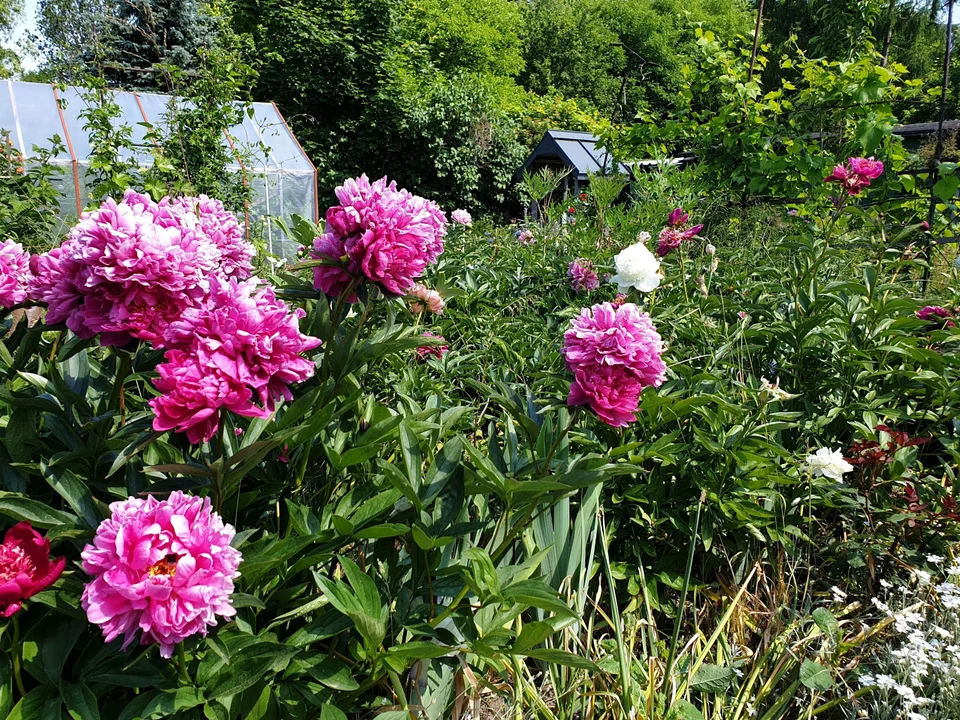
x,y
676,232
377,232
164,567
128,269
239,347
936,314
583,278
25,567
613,352
856,174
437,351
223,229
14,273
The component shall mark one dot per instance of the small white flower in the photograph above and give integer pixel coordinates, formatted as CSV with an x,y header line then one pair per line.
x,y
838,594
934,559
886,584
829,463
922,576
776,392
637,268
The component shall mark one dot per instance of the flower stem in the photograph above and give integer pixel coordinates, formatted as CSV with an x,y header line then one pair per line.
x,y
16,652
182,662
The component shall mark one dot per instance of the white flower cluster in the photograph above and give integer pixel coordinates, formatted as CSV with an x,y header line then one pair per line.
x,y
917,674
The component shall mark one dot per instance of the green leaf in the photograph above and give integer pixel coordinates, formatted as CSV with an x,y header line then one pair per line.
x,y
161,704
827,623
36,705
419,650
36,513
48,644
815,676
74,491
712,678
412,460
331,712
683,710
533,633
561,657
6,685
250,666
81,702
327,671
538,595
384,530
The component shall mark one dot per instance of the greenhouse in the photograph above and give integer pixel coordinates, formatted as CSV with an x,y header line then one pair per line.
x,y
282,179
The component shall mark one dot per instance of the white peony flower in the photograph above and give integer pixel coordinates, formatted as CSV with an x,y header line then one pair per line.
x,y
638,268
711,249
829,463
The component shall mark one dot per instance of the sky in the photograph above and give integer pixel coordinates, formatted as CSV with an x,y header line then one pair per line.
x,y
26,25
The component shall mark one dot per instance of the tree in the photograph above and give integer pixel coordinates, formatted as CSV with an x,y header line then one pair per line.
x,y
123,40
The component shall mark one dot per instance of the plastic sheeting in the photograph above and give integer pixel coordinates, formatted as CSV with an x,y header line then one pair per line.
x,y
282,180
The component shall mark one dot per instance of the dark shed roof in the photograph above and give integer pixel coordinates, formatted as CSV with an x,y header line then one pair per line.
x,y
577,150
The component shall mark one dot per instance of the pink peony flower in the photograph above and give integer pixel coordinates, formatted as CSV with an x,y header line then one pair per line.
x,y
25,567
461,217
437,351
936,314
678,217
613,352
388,236
14,273
525,236
857,174
223,229
128,269
333,279
239,346
164,567
582,275
428,299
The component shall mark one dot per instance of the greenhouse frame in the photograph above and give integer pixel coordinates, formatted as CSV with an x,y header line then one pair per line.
x,y
281,178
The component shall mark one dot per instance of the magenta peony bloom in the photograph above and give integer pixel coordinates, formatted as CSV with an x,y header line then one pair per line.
x,y
238,346
426,299
678,217
672,238
388,236
437,351
461,217
582,276
613,352
14,273
937,315
25,567
164,567
857,174
334,279
128,269
191,395
223,229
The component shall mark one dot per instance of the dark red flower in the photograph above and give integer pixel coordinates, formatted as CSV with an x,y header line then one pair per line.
x,y
583,197
25,567
571,209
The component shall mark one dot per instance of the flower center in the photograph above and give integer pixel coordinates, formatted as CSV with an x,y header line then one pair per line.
x,y
166,567
13,562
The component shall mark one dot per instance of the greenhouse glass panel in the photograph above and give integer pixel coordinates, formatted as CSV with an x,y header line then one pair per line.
x,y
39,117
281,178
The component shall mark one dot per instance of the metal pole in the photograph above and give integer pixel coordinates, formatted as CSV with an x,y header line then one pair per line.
x,y
939,153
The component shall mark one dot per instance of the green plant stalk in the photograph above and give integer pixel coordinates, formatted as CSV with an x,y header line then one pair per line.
x,y
16,652
182,662
556,445
626,698
675,640
398,688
